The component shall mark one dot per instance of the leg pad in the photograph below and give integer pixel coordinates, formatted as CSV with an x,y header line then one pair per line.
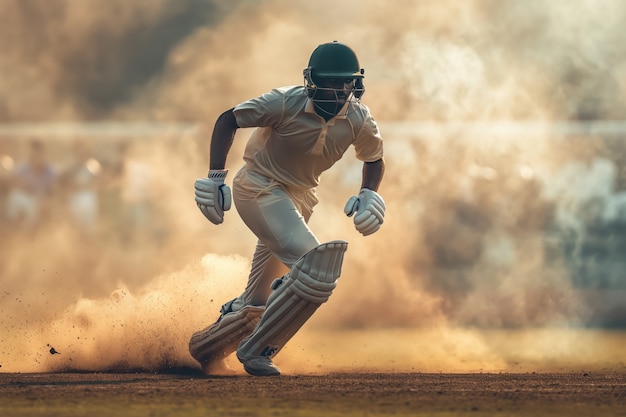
x,y
219,340
295,298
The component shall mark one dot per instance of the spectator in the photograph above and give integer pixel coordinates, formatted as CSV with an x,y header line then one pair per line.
x,y
81,185
32,185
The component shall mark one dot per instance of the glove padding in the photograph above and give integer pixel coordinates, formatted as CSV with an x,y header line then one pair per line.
x,y
369,207
213,196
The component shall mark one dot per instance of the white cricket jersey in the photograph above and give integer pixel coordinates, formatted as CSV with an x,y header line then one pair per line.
x,y
293,145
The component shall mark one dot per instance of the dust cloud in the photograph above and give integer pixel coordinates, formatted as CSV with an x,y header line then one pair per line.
x,y
482,105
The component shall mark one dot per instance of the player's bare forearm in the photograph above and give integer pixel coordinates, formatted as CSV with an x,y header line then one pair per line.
x,y
373,173
222,139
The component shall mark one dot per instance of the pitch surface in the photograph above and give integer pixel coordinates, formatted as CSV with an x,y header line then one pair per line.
x,y
337,394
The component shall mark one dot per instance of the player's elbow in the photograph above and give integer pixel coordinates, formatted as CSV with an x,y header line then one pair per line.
x,y
227,120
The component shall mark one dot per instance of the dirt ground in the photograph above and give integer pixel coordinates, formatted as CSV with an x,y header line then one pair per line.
x,y
188,393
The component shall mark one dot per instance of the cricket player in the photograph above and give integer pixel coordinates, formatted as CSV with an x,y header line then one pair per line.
x,y
301,131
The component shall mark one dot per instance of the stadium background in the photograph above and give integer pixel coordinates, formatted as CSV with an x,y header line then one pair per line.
x,y
483,104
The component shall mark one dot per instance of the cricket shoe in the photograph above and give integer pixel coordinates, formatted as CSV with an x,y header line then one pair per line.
x,y
259,366
210,346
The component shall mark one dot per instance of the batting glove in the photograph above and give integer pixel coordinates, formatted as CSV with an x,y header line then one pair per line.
x,y
213,196
369,209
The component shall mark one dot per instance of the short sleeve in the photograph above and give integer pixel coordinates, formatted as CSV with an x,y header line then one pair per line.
x,y
369,142
265,110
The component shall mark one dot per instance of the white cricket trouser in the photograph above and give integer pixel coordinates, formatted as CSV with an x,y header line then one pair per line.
x,y
278,217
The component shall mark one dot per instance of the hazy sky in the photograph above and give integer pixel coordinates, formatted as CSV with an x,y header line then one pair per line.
x,y
163,59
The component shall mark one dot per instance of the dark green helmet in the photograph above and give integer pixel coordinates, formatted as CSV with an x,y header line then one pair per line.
x,y
334,60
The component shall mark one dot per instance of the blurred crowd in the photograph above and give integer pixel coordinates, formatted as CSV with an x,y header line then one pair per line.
x,y
479,220
589,214
96,195
491,215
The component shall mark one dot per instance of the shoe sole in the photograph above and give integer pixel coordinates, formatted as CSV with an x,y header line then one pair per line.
x,y
259,366
262,371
